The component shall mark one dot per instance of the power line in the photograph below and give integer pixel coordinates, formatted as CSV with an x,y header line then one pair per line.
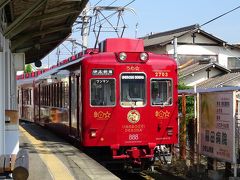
x,y
113,2
98,2
219,16
199,26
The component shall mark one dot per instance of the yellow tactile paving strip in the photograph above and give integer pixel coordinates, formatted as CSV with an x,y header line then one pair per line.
x,y
55,166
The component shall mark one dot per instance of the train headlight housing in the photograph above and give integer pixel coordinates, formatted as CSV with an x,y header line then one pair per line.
x,y
143,56
122,56
93,133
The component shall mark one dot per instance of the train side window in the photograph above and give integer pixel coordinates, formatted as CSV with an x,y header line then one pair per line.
x,y
133,89
161,92
27,97
102,92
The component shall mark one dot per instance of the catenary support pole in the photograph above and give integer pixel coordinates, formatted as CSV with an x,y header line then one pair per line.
x,y
85,27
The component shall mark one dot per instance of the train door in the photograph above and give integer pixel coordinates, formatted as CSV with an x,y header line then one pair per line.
x,y
74,106
79,107
36,103
134,116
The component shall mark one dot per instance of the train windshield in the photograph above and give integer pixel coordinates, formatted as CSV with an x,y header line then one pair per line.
x,y
133,90
102,92
161,92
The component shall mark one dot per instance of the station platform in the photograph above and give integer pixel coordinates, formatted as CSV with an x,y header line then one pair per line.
x,y
53,158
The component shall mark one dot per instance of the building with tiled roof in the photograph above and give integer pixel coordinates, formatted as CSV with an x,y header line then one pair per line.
x,y
199,72
194,44
227,80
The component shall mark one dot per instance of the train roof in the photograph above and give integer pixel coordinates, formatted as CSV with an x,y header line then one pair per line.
x,y
111,45
25,81
121,45
54,71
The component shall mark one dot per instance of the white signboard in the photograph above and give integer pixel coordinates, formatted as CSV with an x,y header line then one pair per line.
x,y
217,125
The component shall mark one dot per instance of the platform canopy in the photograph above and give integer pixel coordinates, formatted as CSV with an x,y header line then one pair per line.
x,y
36,27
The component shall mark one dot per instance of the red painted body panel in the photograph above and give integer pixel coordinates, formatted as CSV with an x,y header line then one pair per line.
x,y
117,129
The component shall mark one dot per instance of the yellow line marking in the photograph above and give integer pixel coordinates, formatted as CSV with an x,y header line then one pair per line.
x,y
56,167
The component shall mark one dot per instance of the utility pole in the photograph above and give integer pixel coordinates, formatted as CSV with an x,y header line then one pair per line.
x,y
73,42
183,130
58,55
85,28
175,50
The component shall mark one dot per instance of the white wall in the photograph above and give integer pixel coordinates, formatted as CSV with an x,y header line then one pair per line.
x,y
193,50
222,52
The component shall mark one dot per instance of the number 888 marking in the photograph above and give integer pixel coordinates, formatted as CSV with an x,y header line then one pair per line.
x,y
133,137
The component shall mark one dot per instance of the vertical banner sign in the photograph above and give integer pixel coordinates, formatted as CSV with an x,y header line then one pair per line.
x,y
217,125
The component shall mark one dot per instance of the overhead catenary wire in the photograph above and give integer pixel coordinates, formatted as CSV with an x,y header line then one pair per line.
x,y
209,21
199,26
94,6
220,16
98,2
109,16
113,2
99,22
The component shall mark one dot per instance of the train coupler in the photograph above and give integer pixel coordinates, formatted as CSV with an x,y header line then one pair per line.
x,y
133,152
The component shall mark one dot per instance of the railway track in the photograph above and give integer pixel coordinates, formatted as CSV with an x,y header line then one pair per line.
x,y
147,175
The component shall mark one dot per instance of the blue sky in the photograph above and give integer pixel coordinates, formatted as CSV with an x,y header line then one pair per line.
x,y
158,16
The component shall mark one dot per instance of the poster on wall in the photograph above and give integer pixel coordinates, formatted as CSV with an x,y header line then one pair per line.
x,y
217,125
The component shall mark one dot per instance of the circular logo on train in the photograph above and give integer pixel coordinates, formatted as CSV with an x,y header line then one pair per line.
x,y
133,116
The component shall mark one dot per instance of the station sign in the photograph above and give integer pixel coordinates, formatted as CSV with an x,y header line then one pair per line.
x,y
217,125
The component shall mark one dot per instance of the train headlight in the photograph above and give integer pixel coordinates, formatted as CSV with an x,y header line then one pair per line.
x,y
93,133
122,56
143,56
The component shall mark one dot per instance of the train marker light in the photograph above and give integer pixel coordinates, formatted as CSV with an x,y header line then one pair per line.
x,y
143,56
122,56
169,131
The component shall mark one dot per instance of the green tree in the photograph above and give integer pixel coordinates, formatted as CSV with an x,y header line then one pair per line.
x,y
28,68
189,102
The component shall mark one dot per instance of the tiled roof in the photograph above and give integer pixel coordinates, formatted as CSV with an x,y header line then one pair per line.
x,y
166,37
230,79
197,67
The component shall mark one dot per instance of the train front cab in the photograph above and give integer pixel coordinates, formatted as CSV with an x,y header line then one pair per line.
x,y
129,106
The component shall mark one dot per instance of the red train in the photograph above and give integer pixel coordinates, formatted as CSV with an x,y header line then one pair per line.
x,y
118,97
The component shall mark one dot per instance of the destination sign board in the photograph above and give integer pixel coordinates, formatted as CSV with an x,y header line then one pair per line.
x,y
133,76
102,72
